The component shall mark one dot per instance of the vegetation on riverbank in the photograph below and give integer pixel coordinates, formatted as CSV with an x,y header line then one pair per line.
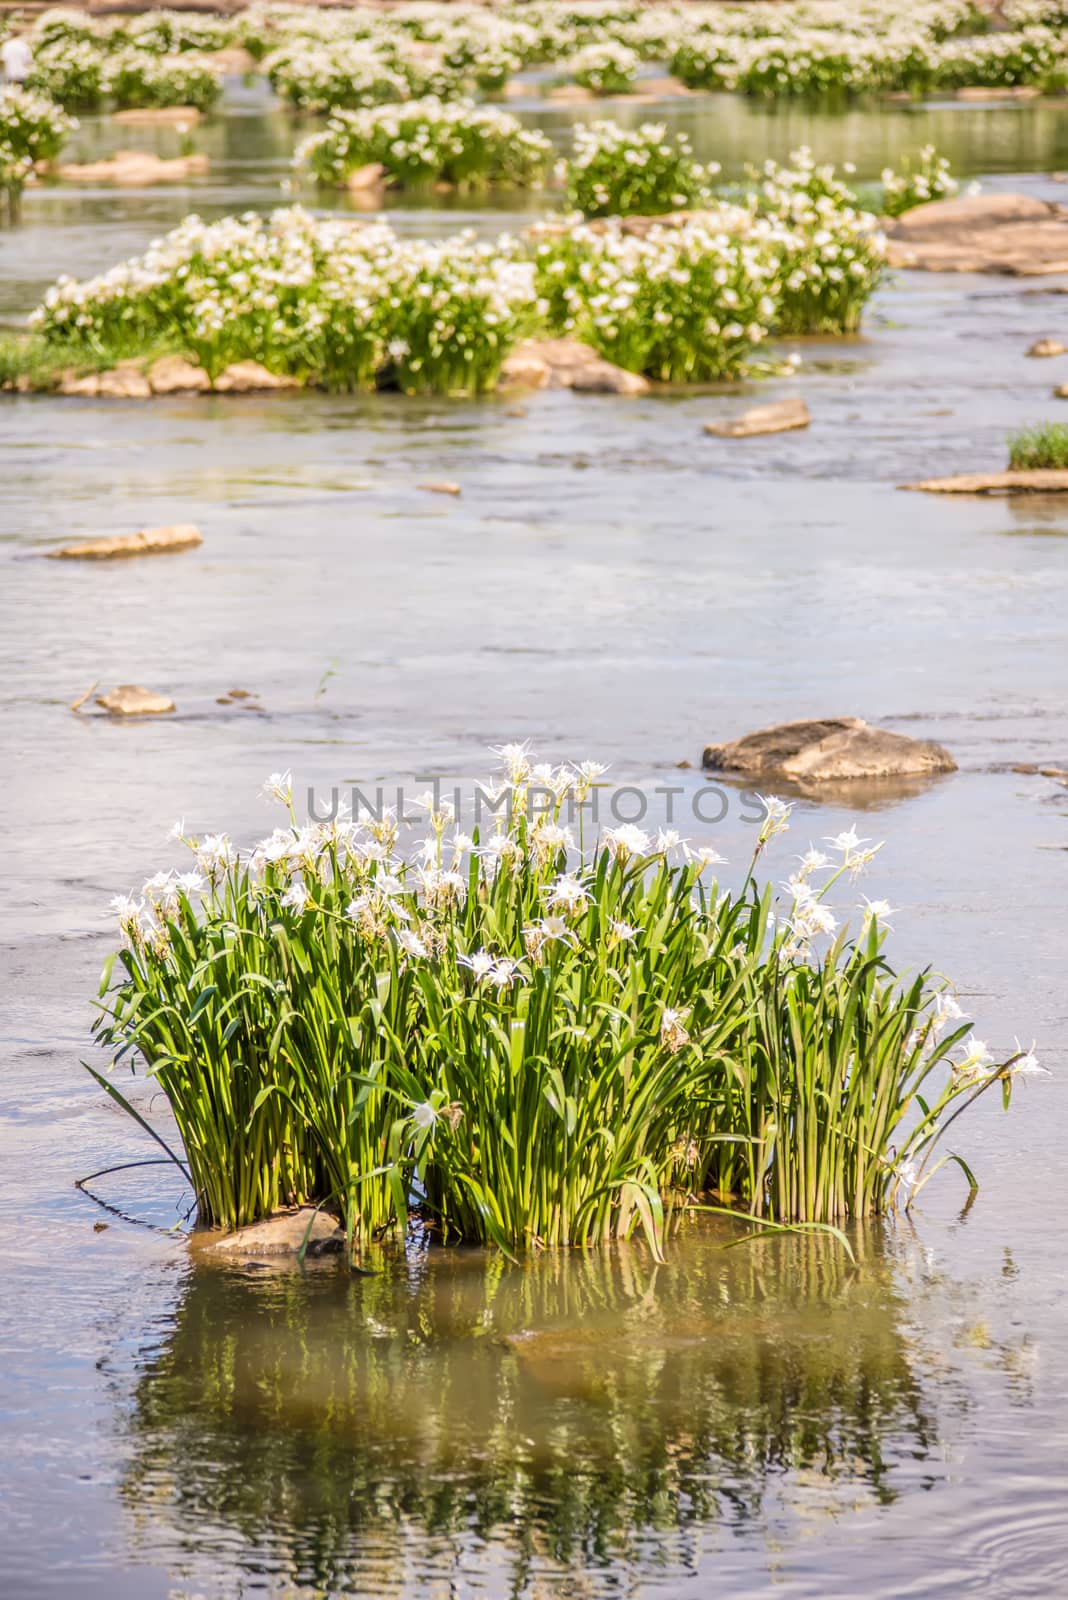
x,y
1045,446
535,1044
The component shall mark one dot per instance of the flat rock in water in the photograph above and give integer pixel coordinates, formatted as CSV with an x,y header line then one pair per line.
x,y
1037,480
778,417
1046,347
1005,233
124,382
176,375
148,542
571,93
445,487
249,377
135,169
369,176
1061,392
568,364
828,749
157,117
131,700
280,1235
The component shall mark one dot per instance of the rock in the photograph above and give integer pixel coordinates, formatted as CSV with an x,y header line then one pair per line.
x,y
282,1234
158,117
524,369
1035,480
1061,392
441,488
833,748
135,169
665,88
124,382
1046,347
131,700
777,417
176,375
1016,91
233,59
571,94
149,542
568,364
249,377
369,176
1006,233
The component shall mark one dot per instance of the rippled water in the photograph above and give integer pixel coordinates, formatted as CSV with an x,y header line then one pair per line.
x,y
610,583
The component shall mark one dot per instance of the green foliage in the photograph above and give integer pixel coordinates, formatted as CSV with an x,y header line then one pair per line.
x,y
616,171
539,1047
422,141
1045,445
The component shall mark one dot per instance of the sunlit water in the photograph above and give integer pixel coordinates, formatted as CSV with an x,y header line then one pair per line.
x,y
611,583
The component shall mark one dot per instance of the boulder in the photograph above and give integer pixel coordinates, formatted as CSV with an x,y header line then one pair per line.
x,y
249,377
1015,91
665,88
131,700
282,1234
1046,347
149,542
1005,233
444,487
780,416
1061,392
569,364
176,375
135,169
124,382
158,117
828,749
232,59
1034,480
369,176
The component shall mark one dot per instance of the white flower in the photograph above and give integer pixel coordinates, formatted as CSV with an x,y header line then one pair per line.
x,y
776,817
877,910
424,1115
813,860
672,1031
1028,1065
706,857
623,931
296,896
279,786
178,830
515,758
479,962
566,893
411,944
626,841
846,842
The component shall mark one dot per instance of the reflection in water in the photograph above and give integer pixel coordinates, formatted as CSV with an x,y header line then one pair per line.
x,y
578,1411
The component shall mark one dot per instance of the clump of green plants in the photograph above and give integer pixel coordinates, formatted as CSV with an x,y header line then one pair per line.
x,y
614,171
681,305
605,68
136,78
421,141
918,180
535,1043
33,129
1043,446
70,71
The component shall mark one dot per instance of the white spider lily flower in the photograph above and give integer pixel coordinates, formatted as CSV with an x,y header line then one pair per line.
x,y
177,830
190,882
566,893
626,841
411,944
1029,1065
424,1115
705,857
907,1174
877,911
812,861
847,842
279,786
215,854
776,817
296,896
478,962
668,839
672,1029
504,972
811,919
515,758
624,932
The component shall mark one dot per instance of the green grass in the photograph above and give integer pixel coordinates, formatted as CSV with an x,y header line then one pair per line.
x,y
1045,445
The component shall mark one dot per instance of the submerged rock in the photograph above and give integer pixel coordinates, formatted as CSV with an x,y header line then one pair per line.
x,y
1033,480
131,700
249,377
157,117
1009,233
124,382
135,169
1046,347
831,749
568,364
148,542
176,375
780,416
282,1234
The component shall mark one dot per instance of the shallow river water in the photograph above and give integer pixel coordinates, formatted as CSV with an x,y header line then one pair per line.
x,y
611,583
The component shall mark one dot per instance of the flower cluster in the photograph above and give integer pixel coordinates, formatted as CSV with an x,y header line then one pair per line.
x,y
135,77
926,178
614,171
605,68
332,303
32,129
421,141
681,304
547,1045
